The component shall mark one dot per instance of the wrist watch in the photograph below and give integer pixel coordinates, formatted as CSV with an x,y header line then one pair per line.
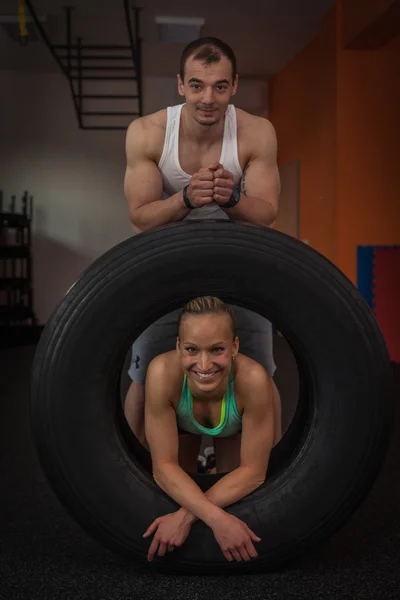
x,y
234,199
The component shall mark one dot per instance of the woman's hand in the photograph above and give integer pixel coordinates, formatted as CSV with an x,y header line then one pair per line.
x,y
235,538
171,531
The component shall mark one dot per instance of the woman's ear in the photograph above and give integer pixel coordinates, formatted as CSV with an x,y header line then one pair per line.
x,y
235,346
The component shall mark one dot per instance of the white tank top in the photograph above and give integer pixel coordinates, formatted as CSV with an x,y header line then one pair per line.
x,y
175,179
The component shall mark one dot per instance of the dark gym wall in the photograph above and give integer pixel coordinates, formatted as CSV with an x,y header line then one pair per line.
x,y
336,110
75,176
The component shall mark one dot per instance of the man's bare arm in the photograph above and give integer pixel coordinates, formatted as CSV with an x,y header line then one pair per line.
x,y
143,183
260,183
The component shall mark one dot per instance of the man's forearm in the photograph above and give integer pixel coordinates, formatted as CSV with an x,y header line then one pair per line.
x,y
253,210
232,487
160,212
175,482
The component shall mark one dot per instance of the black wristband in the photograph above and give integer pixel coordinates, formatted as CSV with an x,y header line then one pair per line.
x,y
186,199
234,199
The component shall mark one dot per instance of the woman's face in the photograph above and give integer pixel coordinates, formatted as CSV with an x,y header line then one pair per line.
x,y
206,347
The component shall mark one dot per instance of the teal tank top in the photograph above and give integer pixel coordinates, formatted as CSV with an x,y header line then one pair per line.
x,y
231,420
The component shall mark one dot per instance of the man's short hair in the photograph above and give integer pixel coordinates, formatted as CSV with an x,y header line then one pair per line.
x,y
208,50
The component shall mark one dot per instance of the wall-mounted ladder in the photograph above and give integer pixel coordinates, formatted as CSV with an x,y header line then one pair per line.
x,y
105,80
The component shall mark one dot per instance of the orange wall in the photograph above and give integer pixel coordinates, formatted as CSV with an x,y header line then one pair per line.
x,y
368,173
337,111
302,109
365,22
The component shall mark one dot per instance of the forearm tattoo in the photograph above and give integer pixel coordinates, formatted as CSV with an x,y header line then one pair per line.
x,y
243,182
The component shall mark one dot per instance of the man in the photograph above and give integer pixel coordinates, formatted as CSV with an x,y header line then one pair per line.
x,y
199,160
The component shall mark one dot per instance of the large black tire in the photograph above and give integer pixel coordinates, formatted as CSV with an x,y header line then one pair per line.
x,y
331,453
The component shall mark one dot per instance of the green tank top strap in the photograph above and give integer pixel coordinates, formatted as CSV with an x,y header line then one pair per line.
x,y
230,421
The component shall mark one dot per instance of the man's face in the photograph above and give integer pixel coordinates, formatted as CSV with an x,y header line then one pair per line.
x,y
208,89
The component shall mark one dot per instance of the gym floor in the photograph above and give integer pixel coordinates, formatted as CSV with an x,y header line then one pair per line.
x,y
45,555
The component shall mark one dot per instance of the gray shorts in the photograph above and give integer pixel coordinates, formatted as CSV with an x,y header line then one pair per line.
x,y
253,330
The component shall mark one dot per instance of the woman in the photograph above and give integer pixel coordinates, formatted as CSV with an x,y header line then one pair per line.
x,y
205,387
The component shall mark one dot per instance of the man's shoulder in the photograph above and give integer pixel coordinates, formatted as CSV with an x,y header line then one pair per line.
x,y
156,121
147,133
249,123
256,134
